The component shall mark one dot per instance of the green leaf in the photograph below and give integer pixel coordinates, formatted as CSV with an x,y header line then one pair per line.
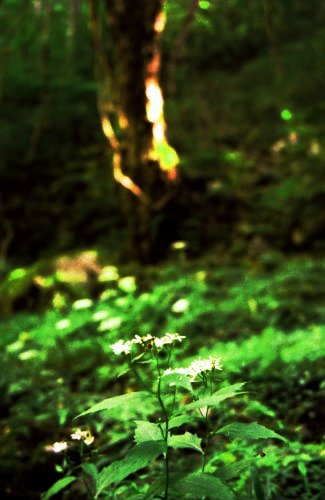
x,y
249,431
58,486
178,380
186,440
137,458
92,471
217,397
231,471
200,484
147,431
133,398
179,420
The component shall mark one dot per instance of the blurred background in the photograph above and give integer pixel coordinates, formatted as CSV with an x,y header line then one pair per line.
x,y
244,103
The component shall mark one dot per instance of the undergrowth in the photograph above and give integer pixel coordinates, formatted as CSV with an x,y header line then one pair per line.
x,y
265,325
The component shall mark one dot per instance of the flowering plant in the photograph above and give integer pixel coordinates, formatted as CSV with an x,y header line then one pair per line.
x,y
179,398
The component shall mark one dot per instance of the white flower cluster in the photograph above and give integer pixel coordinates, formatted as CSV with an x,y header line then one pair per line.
x,y
58,447
78,435
122,347
84,436
197,367
125,347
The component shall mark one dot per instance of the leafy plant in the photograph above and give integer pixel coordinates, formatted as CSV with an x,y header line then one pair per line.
x,y
178,399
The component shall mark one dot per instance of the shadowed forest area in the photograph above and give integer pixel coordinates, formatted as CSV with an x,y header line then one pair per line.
x,y
161,252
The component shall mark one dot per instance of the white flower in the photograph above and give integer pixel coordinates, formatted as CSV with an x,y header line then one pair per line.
x,y
121,347
169,338
204,365
84,436
125,347
197,367
142,340
58,447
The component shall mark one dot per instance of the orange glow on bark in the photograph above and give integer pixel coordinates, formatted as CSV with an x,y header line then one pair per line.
x,y
109,132
155,103
160,22
160,150
172,174
123,122
121,178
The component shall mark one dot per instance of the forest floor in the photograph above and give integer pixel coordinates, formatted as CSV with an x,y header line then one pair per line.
x,y
263,318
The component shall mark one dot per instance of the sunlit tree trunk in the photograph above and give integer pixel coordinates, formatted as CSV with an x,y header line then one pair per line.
x,y
132,114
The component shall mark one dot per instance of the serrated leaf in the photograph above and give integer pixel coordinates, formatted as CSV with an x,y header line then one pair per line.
x,y
179,420
225,393
178,380
137,458
249,431
58,486
133,398
186,440
147,431
200,485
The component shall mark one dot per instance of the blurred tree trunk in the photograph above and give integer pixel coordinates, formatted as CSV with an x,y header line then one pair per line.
x,y
271,21
131,109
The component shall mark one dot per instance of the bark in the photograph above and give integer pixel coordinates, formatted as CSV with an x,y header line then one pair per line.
x,y
134,34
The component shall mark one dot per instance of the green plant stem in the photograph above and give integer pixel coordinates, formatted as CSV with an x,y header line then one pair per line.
x,y
163,408
205,454
165,436
208,436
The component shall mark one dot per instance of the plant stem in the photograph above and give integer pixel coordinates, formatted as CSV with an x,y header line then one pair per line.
x,y
166,431
205,454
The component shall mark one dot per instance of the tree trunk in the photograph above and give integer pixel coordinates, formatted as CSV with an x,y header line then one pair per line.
x,y
134,120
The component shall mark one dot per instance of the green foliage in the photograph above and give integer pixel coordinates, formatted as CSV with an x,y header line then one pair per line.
x,y
217,397
131,400
186,440
248,431
59,486
146,357
138,458
57,365
199,485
